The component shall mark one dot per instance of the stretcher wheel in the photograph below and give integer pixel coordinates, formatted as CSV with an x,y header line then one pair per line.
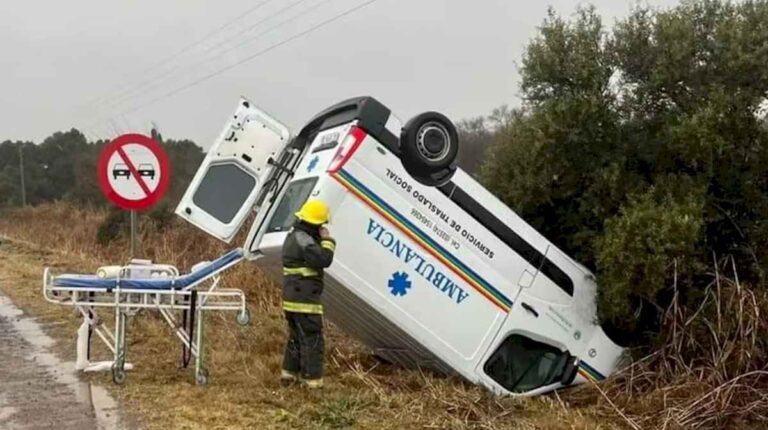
x,y
244,317
118,375
202,377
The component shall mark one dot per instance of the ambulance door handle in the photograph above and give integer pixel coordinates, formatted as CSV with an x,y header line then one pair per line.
x,y
271,161
530,309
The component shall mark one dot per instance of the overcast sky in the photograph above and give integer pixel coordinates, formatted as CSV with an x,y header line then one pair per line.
x,y
78,63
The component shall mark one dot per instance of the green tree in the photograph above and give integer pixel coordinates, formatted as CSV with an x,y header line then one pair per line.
x,y
184,157
640,148
57,156
477,135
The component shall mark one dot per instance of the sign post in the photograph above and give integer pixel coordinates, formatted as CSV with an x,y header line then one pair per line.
x,y
133,174
133,233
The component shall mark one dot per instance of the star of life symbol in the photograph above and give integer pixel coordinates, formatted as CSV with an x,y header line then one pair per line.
x,y
312,164
399,284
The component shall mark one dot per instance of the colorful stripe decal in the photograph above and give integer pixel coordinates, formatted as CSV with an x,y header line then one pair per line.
x,y
589,372
426,242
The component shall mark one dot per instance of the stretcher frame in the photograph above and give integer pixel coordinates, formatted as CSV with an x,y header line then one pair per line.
x,y
168,302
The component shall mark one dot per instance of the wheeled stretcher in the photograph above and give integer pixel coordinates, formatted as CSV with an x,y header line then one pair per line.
x,y
182,300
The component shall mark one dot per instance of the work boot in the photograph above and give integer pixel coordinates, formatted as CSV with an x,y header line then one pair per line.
x,y
313,383
288,377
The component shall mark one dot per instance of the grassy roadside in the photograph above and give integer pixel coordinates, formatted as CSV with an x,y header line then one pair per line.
x,y
243,362
709,370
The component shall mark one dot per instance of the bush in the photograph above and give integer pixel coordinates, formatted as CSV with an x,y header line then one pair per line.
x,y
116,224
644,146
161,216
654,233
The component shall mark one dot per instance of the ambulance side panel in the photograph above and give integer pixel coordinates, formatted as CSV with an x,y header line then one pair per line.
x,y
401,250
556,304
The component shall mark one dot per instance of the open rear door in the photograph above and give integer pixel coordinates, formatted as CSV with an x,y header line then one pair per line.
x,y
234,172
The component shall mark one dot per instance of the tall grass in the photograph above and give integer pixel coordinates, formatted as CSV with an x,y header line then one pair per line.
x,y
64,228
711,366
708,371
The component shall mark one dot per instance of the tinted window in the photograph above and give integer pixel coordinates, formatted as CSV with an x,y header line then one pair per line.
x,y
521,364
295,196
211,197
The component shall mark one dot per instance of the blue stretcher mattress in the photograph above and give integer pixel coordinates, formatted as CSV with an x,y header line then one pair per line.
x,y
92,281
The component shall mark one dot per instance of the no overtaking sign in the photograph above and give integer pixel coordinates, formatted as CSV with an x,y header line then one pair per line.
x,y
133,171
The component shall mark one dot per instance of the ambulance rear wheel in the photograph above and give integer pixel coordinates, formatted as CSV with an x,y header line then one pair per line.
x,y
429,143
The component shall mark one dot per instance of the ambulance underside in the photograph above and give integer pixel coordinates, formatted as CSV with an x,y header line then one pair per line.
x,y
366,323
346,308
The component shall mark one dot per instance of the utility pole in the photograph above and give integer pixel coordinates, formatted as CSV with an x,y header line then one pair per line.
x,y
133,234
21,173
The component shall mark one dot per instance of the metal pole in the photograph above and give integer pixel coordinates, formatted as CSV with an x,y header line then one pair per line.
x,y
133,234
21,174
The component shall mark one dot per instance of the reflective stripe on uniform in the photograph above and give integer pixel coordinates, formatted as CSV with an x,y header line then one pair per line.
x,y
329,245
301,271
303,308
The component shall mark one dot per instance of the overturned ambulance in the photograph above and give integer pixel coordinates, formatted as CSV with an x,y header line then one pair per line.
x,y
431,269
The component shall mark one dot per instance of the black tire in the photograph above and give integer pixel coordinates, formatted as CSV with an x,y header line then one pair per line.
x,y
429,143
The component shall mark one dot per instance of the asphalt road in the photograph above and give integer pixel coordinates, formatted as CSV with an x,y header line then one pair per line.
x,y
38,391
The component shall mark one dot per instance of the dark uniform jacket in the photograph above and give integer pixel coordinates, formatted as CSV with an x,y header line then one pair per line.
x,y
305,255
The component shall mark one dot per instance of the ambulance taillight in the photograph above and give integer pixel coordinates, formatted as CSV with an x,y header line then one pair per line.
x,y
348,146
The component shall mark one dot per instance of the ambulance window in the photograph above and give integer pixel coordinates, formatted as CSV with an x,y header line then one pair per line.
x,y
224,205
521,364
295,196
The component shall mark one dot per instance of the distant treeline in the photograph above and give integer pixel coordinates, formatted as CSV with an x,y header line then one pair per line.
x,y
63,166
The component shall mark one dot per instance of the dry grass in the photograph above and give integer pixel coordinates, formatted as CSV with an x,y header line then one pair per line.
x,y
711,370
724,386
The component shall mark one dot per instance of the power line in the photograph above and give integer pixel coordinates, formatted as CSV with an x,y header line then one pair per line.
x,y
251,57
144,86
126,122
93,136
115,127
247,29
186,48
160,78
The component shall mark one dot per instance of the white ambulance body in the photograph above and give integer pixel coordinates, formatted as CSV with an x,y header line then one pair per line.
x,y
429,271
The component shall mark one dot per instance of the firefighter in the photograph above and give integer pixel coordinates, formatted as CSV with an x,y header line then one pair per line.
x,y
307,250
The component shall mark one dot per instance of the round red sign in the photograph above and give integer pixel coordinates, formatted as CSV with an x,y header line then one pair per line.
x,y
133,171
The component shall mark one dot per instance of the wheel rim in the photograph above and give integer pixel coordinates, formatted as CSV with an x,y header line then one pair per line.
x,y
433,141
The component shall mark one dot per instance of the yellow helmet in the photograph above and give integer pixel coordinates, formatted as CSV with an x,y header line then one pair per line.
x,y
314,212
